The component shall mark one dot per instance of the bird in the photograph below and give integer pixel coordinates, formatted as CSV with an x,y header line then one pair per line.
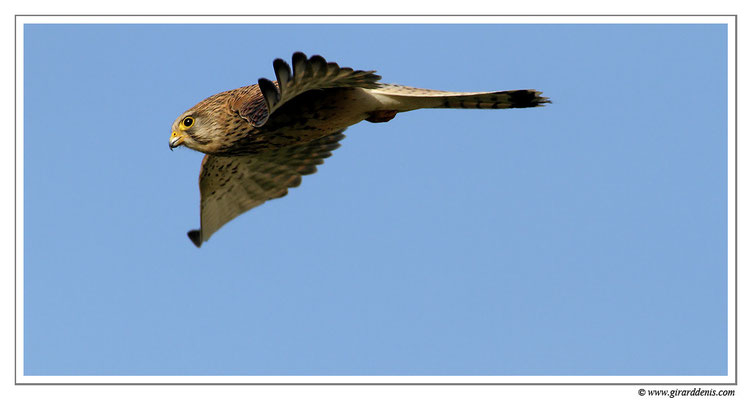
x,y
259,140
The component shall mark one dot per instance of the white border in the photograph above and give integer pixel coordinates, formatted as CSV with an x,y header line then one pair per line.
x,y
731,172
19,199
371,19
694,380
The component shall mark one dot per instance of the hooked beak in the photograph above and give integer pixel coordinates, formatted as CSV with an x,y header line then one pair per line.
x,y
176,139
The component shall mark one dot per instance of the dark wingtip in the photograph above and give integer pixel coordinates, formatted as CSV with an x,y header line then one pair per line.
x,y
278,62
270,92
195,236
317,59
299,65
282,72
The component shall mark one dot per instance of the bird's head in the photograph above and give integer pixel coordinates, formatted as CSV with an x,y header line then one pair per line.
x,y
191,129
201,128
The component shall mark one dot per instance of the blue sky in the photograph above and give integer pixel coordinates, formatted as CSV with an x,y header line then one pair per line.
x,y
588,237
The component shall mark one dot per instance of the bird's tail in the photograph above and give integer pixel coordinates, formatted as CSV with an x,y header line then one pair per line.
x,y
405,98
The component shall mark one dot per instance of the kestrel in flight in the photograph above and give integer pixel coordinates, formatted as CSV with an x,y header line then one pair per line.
x,y
259,140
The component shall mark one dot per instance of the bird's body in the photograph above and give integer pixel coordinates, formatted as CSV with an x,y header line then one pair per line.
x,y
260,139
307,117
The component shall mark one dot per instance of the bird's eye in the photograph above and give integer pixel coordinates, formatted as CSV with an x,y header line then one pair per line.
x,y
188,122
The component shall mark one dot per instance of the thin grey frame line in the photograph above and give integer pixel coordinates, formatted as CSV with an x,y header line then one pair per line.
x,y
370,384
736,179
378,15
736,200
15,200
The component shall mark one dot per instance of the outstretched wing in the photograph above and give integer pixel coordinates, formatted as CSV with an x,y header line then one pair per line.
x,y
231,186
307,74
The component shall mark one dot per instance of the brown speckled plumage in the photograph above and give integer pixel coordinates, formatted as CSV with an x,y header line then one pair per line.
x,y
260,139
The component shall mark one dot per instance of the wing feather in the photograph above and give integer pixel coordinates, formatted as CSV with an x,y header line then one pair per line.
x,y
307,74
231,186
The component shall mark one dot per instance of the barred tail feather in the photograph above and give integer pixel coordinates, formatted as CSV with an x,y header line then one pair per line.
x,y
413,98
496,100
